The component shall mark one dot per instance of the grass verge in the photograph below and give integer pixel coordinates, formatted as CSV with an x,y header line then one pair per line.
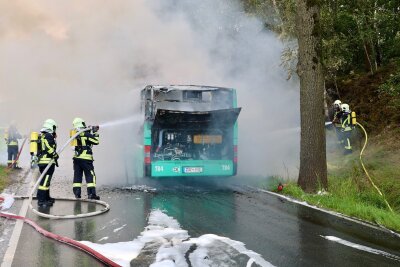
x,y
350,192
4,178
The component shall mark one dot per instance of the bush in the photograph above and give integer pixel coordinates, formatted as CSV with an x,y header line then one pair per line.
x,y
391,86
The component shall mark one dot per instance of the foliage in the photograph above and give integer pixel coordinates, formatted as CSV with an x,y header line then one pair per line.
x,y
391,86
361,34
4,181
345,197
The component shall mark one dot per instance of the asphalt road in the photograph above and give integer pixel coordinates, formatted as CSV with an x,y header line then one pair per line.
x,y
282,232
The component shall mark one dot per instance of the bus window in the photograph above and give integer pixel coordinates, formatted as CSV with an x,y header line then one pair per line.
x,y
192,96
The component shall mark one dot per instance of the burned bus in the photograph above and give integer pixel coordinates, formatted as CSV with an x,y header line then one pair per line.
x,y
189,130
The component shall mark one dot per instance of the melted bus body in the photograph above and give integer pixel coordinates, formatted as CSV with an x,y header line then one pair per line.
x,y
189,131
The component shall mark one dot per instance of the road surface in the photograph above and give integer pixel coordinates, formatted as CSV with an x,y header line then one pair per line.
x,y
281,232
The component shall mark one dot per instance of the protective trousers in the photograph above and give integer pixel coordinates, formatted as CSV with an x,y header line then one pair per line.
x,y
43,192
82,166
12,155
346,135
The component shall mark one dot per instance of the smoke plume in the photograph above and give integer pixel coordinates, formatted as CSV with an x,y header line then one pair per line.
x,y
90,59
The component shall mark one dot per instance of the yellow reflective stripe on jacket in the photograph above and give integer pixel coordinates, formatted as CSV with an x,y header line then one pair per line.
x,y
45,143
83,155
83,140
44,160
346,123
95,140
13,143
43,188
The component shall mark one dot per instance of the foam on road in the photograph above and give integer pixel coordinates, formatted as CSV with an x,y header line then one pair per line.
x,y
172,246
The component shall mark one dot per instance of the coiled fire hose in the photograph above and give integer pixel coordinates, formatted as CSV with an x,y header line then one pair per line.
x,y
365,170
50,216
56,237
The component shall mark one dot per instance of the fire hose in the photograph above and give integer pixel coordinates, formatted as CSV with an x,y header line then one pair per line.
x,y
62,239
365,170
49,216
363,166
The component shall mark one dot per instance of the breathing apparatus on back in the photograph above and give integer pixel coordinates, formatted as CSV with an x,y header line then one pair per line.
x,y
79,125
347,112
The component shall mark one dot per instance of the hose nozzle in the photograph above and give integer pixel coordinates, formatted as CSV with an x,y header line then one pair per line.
x,y
95,128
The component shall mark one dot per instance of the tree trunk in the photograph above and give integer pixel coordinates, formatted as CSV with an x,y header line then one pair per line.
x,y
313,170
368,58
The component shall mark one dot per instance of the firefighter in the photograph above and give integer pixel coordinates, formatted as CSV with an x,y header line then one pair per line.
x,y
337,113
83,159
336,109
346,128
46,153
11,136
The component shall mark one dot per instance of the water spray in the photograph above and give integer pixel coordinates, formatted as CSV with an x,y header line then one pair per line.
x,y
122,121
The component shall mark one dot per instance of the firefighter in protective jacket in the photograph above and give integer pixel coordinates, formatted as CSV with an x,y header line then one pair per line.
x,y
47,152
346,129
11,136
83,159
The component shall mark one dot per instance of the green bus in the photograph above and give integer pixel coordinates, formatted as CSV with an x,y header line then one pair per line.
x,y
189,130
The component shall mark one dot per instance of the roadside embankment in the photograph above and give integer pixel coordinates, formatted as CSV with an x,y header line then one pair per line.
x,y
350,192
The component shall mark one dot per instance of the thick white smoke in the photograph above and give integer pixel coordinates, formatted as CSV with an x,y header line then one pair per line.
x,y
62,59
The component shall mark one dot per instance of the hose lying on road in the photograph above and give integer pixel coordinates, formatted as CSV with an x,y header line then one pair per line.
x,y
365,170
63,239
106,207
50,216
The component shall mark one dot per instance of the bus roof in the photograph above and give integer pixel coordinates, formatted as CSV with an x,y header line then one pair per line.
x,y
168,88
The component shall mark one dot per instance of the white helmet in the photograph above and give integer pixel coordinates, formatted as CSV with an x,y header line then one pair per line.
x,y
345,108
78,123
50,125
337,103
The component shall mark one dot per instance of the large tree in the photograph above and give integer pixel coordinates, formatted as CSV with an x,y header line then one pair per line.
x,y
313,170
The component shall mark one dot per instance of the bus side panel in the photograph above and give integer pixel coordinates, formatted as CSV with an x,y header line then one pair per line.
x,y
235,136
146,142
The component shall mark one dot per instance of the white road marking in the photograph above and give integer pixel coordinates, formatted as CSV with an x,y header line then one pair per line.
x,y
12,245
340,215
361,247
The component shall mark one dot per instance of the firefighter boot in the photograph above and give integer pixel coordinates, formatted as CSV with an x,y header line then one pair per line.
x,y
49,198
77,192
92,193
42,199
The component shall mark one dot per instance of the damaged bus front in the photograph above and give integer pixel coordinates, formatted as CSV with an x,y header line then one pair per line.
x,y
189,131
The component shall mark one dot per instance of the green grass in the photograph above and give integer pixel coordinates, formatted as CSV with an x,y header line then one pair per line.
x,y
350,191
4,181
344,197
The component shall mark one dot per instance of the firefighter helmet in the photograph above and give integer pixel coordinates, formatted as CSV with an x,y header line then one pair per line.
x,y
345,108
337,103
50,124
78,123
